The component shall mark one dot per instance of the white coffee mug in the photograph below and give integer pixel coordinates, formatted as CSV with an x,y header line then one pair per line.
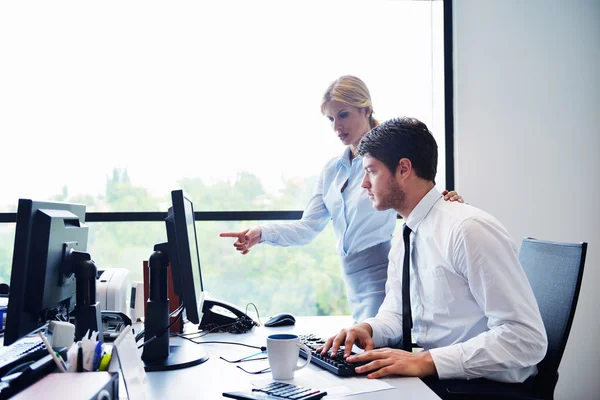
x,y
283,351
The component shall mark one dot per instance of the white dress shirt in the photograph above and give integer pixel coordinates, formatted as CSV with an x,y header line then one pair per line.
x,y
471,302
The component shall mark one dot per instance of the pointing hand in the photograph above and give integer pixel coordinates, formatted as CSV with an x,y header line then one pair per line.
x,y
245,239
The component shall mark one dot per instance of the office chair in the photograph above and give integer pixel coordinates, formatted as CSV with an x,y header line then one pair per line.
x,y
554,271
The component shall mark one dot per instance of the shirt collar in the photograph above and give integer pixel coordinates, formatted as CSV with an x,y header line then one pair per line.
x,y
345,158
419,213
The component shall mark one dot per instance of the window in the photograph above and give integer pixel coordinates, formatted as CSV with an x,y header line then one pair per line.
x,y
114,106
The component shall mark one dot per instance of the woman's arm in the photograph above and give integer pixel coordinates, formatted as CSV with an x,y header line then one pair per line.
x,y
314,219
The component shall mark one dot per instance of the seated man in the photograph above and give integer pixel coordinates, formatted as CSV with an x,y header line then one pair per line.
x,y
473,309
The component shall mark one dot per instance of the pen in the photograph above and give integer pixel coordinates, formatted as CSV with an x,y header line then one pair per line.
x,y
79,357
104,362
97,355
57,358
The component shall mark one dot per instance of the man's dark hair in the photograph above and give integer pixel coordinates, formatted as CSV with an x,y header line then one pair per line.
x,y
402,137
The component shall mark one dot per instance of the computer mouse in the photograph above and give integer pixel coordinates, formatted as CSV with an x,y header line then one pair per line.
x,y
281,319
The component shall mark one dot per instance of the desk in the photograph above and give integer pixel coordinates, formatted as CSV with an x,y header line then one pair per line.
x,y
210,379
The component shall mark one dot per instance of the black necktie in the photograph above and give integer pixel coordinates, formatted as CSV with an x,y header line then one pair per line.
x,y
406,313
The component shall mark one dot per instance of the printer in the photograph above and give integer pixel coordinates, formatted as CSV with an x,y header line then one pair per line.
x,y
113,290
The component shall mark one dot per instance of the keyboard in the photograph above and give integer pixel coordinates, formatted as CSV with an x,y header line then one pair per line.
x,y
278,391
336,365
26,349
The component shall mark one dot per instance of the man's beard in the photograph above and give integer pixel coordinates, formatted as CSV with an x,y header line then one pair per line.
x,y
395,197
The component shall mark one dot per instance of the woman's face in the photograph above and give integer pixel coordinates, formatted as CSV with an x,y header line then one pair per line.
x,y
349,123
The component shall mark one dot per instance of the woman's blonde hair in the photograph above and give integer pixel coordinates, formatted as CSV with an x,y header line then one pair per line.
x,y
350,90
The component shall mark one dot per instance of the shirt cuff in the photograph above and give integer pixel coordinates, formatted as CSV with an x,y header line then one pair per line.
x,y
448,362
266,234
378,340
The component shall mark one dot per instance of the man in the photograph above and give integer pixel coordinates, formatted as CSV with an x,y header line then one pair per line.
x,y
472,308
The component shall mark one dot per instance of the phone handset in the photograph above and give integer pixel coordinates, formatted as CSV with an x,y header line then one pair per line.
x,y
220,316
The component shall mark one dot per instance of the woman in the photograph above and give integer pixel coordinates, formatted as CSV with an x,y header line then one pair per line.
x,y
363,234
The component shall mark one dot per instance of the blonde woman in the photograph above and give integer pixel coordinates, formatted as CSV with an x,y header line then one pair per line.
x,y
363,234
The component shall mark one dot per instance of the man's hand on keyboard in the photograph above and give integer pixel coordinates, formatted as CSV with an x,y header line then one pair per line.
x,y
358,334
386,361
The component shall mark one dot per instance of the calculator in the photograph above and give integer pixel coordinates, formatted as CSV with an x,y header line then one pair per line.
x,y
278,391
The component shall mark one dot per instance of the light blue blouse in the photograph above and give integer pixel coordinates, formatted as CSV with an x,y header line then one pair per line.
x,y
356,223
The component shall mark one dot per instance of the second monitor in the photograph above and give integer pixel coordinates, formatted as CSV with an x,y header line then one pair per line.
x,y
181,252
183,255
210,314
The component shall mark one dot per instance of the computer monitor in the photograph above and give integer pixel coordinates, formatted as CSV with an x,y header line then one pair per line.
x,y
42,281
184,256
181,253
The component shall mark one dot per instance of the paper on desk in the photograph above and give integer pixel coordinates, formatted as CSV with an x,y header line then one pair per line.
x,y
334,385
126,359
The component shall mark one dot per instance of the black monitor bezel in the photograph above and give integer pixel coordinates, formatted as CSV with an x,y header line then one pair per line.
x,y
183,267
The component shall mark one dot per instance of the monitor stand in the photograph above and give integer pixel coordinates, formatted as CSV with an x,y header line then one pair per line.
x,y
186,355
87,310
157,354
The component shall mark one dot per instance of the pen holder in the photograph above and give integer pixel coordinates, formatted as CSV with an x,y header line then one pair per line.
x,y
88,355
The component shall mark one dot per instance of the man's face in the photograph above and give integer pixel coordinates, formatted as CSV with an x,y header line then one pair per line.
x,y
382,187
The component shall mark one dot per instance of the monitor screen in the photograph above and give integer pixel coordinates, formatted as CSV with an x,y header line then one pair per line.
x,y
42,286
184,256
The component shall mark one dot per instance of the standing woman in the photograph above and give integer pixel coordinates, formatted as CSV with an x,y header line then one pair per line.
x,y
363,233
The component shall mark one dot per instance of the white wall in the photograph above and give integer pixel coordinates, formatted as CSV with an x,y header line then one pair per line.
x,y
527,139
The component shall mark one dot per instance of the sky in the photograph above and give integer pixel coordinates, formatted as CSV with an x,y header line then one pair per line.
x,y
199,89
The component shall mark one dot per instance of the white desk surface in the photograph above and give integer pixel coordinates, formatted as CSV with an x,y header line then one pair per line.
x,y
210,379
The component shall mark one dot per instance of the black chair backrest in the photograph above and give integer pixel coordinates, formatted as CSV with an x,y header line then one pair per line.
x,y
554,271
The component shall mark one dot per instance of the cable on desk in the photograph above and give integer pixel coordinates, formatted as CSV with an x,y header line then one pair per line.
x,y
202,333
261,348
165,330
262,371
177,311
251,357
257,314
